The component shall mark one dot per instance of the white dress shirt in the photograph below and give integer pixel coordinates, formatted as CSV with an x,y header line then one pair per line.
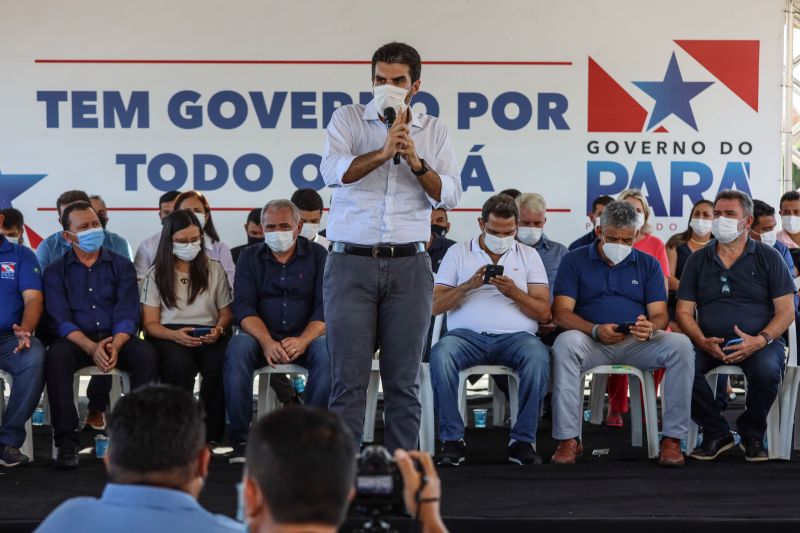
x,y
388,205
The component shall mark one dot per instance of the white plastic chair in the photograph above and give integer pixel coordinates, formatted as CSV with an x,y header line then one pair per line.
x,y
27,446
773,417
267,399
645,378
790,415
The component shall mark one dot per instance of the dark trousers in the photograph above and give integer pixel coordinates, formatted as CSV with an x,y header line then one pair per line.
x,y
178,365
387,300
64,358
763,371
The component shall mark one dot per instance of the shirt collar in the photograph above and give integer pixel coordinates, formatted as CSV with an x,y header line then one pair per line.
x,y
147,496
711,247
370,113
544,242
71,257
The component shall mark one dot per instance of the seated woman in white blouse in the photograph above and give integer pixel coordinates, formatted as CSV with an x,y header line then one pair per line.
x,y
217,250
186,313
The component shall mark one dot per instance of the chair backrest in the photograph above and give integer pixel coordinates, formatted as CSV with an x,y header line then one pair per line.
x,y
437,328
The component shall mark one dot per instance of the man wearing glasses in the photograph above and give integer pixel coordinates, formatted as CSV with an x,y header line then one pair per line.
x,y
742,293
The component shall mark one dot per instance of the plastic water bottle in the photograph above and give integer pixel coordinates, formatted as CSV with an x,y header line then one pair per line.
x,y
299,384
38,417
587,415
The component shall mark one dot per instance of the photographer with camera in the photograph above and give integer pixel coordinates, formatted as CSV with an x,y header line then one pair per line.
x,y
300,475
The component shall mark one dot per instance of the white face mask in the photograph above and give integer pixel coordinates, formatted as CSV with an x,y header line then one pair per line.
x,y
13,240
279,241
202,219
791,223
497,245
701,226
387,95
726,230
529,236
310,231
639,221
186,251
616,253
769,237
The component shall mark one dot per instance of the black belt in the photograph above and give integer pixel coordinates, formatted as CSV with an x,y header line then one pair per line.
x,y
379,250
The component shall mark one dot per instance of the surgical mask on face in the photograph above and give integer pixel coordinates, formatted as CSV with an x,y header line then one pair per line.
x,y
791,223
725,229
279,241
700,226
310,231
616,253
441,231
186,251
769,237
497,245
13,240
202,219
639,221
529,236
90,240
388,95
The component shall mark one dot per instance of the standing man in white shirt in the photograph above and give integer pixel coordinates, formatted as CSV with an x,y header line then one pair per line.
x,y
146,252
378,282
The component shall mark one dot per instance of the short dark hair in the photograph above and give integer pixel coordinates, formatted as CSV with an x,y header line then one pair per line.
x,y
168,196
254,216
732,194
303,461
513,193
307,200
12,218
791,196
500,205
399,53
601,200
74,206
761,209
69,197
157,428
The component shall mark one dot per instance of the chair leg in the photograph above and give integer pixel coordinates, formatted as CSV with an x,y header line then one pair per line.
x,y
462,397
263,389
789,412
635,385
774,430
513,397
581,383
426,427
597,398
651,414
498,403
116,391
27,446
372,406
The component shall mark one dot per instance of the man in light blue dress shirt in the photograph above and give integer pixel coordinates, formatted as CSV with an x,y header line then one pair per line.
x,y
150,489
378,282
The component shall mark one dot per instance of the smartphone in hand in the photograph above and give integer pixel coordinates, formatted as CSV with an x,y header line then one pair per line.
x,y
492,271
199,332
625,328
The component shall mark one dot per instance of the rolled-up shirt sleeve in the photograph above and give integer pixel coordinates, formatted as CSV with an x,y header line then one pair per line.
x,y
55,301
245,292
447,167
337,155
125,314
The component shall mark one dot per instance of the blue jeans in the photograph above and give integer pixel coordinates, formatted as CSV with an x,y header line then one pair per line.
x,y
27,370
462,348
244,355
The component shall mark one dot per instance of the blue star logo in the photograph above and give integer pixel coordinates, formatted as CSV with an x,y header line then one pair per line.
x,y
672,95
13,185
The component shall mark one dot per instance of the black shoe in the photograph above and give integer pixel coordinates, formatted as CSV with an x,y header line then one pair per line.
x,y
713,448
238,453
67,457
754,450
452,453
10,456
523,453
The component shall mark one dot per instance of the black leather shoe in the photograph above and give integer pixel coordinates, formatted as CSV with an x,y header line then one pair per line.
x,y
713,448
67,457
754,450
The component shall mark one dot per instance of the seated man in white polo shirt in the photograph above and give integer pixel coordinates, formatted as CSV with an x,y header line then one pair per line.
x,y
493,321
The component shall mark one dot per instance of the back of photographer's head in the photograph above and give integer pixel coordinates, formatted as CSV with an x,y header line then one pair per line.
x,y
157,436
300,468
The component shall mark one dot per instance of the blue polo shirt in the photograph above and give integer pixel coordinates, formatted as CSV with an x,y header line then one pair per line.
x,y
19,271
607,294
740,295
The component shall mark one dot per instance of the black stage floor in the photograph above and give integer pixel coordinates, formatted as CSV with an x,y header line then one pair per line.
x,y
622,491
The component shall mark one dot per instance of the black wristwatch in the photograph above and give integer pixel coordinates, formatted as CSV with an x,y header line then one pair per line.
x,y
767,337
421,172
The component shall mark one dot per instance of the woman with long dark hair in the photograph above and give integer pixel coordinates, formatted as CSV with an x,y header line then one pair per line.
x,y
197,203
186,313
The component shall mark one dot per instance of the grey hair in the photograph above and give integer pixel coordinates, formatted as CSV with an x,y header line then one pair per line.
x,y
277,205
619,215
732,194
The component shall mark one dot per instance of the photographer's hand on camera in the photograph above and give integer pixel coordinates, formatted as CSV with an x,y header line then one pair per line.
x,y
422,491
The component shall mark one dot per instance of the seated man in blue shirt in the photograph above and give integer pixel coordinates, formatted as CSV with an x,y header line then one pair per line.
x,y
21,355
156,466
599,288
92,302
739,290
277,301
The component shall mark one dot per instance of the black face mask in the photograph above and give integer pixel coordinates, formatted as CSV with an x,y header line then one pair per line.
x,y
254,240
441,231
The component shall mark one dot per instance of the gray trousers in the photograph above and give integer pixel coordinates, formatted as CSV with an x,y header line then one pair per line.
x,y
385,302
575,352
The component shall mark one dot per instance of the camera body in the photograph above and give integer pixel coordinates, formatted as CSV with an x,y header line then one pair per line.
x,y
379,484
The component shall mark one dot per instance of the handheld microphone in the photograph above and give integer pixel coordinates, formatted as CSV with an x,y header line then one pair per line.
x,y
390,115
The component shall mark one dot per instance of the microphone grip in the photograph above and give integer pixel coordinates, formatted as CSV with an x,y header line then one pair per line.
x,y
396,159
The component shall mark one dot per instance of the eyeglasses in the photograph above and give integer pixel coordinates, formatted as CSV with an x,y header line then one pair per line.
x,y
726,287
188,241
